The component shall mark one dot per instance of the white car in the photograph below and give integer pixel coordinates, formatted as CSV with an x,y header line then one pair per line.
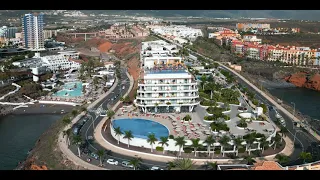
x,y
155,168
112,161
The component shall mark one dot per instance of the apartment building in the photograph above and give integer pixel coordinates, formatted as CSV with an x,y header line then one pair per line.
x,y
63,61
47,34
180,31
165,85
32,32
247,26
252,39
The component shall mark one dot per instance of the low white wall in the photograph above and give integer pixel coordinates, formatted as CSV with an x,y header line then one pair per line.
x,y
246,115
59,102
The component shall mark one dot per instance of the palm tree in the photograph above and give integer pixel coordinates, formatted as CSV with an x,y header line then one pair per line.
x,y
224,142
83,109
135,162
164,141
263,143
238,143
249,160
283,131
282,159
77,140
118,132
67,133
276,140
128,135
250,138
110,113
66,120
196,145
180,142
187,118
74,112
152,140
183,164
305,156
209,141
100,153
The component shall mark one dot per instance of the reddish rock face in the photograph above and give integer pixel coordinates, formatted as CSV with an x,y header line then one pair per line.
x,y
302,80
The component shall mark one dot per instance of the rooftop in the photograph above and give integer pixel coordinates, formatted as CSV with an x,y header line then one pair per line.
x,y
267,165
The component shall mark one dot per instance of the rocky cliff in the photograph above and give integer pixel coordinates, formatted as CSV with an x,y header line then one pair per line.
x,y
303,79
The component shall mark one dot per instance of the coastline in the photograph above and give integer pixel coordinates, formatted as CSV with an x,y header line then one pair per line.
x,y
39,109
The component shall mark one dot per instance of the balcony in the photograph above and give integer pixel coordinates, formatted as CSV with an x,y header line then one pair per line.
x,y
166,97
152,104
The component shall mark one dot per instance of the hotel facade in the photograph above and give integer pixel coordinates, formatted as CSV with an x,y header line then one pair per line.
x,y
165,85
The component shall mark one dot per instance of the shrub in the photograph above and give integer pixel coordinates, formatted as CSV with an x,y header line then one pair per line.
x,y
171,136
159,148
209,118
187,150
217,151
241,150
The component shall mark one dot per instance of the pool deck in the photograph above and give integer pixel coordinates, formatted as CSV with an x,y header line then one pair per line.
x,y
165,120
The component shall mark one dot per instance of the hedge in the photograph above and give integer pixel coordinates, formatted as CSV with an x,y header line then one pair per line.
x,y
159,148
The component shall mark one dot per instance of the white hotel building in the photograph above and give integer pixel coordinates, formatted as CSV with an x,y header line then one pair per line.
x,y
180,31
165,85
64,60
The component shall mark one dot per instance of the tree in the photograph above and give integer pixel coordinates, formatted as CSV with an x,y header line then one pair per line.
x,y
67,133
77,140
282,159
135,162
110,113
187,118
224,142
66,120
238,142
128,135
74,113
283,131
164,142
118,133
250,139
152,140
95,81
180,142
196,145
276,140
305,156
249,160
209,141
83,109
263,144
183,164
100,153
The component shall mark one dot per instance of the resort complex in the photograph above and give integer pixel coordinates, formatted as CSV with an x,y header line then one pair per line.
x,y
165,85
153,95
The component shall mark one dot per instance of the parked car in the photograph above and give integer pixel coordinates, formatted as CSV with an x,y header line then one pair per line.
x,y
126,164
112,161
154,168
94,155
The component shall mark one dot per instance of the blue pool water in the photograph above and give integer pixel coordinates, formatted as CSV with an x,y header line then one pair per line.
x,y
69,90
141,128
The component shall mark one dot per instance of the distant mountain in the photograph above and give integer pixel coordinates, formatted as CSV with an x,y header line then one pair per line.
x,y
278,14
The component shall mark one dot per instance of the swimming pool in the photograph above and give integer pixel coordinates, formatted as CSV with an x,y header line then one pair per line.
x,y
141,128
71,89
